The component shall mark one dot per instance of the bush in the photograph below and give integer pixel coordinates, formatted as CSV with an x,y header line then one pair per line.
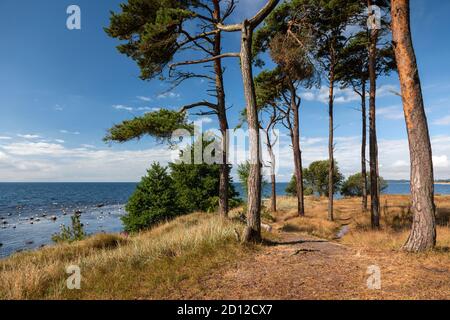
x,y
197,185
316,177
154,200
352,187
291,188
71,234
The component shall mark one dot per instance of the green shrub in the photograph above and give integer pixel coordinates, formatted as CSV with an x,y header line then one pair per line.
x,y
291,188
154,200
352,187
197,185
71,234
315,179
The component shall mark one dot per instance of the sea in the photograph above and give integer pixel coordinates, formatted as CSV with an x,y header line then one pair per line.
x,y
30,213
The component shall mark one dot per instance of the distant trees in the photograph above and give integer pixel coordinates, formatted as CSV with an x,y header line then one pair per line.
x,y
291,188
352,187
423,232
316,178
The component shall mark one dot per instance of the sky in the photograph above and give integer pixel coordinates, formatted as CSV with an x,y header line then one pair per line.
x,y
61,89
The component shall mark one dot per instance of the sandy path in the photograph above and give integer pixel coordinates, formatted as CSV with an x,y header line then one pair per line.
x,y
295,267
299,266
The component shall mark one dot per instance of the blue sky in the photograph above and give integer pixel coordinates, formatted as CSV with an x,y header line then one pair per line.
x,y
61,89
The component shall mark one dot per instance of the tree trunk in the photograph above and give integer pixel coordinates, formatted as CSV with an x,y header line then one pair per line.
x,y
297,154
273,198
423,232
363,146
222,115
374,185
331,147
252,232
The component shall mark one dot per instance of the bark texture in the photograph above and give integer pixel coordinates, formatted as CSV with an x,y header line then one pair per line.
x,y
423,231
222,115
331,146
363,146
374,186
295,136
252,232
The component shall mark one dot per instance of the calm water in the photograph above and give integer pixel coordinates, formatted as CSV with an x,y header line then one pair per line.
x,y
26,209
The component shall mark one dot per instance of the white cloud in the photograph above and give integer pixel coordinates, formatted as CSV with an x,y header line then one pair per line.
x,y
440,161
69,132
445,121
89,146
387,90
394,160
146,99
345,95
39,161
391,113
167,95
29,136
59,140
205,120
5,138
58,108
122,107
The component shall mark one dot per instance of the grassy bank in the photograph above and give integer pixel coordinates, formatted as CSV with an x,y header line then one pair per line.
x,y
198,256
150,265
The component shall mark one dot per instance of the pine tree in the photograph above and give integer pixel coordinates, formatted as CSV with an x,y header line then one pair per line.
x,y
423,232
154,31
155,200
353,72
252,232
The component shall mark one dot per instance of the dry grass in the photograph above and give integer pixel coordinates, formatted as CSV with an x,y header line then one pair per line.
x,y
145,266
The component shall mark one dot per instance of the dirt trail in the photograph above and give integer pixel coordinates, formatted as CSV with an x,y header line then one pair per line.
x,y
296,266
299,266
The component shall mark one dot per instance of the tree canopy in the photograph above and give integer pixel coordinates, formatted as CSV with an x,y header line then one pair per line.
x,y
159,124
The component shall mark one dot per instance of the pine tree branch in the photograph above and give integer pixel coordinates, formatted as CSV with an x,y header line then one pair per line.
x,y
220,56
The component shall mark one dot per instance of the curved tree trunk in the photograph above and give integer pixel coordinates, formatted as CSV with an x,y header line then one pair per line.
x,y
222,115
423,232
363,146
252,232
374,185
